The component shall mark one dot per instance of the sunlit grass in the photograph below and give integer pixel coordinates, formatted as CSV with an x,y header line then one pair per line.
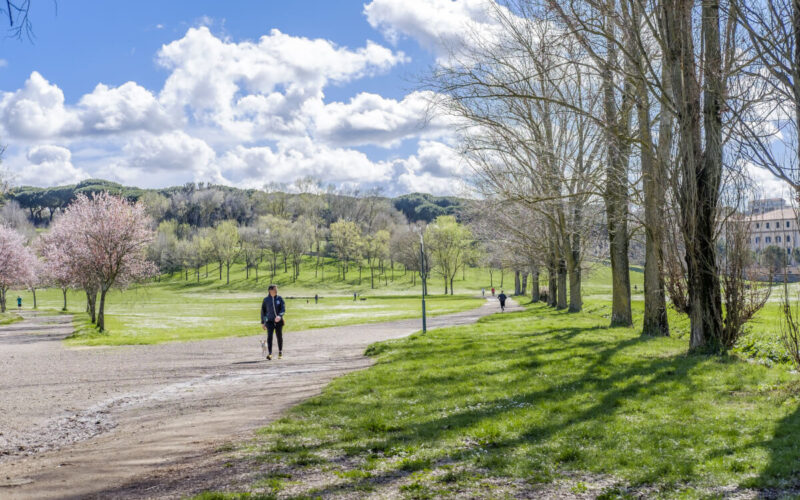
x,y
533,395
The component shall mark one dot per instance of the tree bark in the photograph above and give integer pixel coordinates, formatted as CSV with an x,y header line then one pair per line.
x,y
655,321
524,286
516,282
616,192
535,285
64,293
101,314
552,283
698,193
91,305
562,285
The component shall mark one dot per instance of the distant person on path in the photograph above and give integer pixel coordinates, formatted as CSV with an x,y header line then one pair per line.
x,y
354,296
19,302
502,298
316,298
272,310
483,292
492,291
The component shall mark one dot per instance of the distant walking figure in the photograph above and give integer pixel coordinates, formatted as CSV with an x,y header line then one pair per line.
x,y
502,298
492,291
272,310
19,302
483,292
316,298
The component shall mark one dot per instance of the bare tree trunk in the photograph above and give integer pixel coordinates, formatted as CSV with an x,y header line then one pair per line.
x,y
552,282
535,285
33,291
2,300
101,314
655,321
562,285
516,282
64,293
698,193
91,301
524,287
616,193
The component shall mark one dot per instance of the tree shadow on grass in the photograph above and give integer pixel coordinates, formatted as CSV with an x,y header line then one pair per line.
x,y
781,477
462,427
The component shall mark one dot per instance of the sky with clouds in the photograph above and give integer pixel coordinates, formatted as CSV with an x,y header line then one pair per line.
x,y
242,93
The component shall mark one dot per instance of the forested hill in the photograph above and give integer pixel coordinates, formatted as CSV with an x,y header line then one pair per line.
x,y
205,204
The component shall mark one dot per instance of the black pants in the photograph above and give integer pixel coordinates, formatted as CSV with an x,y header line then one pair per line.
x,y
278,329
502,304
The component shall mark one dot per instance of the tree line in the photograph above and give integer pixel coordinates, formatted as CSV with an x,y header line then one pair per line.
x,y
591,123
205,205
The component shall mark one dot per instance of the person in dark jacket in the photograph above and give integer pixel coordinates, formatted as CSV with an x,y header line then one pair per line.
x,y
502,298
273,308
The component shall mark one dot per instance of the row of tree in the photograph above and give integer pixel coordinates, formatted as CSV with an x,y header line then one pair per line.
x,y
274,242
595,119
205,205
96,244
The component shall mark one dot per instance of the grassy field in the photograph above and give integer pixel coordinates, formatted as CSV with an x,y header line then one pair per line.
x,y
176,309
540,399
154,316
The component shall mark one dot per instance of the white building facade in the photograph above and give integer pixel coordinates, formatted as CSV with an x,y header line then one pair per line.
x,y
774,228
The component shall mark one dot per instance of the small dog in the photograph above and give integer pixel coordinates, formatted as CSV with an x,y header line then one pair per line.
x,y
264,348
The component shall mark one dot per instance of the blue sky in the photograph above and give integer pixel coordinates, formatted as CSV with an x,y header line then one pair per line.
x,y
65,48
160,93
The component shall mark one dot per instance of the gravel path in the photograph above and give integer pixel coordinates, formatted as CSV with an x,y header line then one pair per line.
x,y
120,421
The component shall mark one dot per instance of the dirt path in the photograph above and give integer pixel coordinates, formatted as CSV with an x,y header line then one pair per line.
x,y
131,421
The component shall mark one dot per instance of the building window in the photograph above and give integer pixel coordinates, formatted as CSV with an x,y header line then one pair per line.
x,y
757,226
788,239
767,225
768,239
777,239
787,224
758,240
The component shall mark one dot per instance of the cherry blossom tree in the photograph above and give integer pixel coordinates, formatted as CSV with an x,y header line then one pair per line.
x,y
16,262
53,246
105,239
37,277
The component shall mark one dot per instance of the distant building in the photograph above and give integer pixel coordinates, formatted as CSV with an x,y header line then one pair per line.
x,y
766,205
774,228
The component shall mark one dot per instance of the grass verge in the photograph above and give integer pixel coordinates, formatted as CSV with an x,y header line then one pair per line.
x,y
525,401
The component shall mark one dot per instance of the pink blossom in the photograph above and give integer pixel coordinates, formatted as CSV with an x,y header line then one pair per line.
x,y
17,262
99,243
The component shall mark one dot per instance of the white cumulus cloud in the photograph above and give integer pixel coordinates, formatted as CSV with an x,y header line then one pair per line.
x,y
50,165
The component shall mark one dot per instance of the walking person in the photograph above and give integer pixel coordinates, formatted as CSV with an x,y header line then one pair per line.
x,y
492,291
502,298
483,292
273,308
19,302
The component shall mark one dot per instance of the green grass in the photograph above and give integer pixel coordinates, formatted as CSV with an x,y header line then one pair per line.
x,y
532,395
176,309
149,316
9,317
